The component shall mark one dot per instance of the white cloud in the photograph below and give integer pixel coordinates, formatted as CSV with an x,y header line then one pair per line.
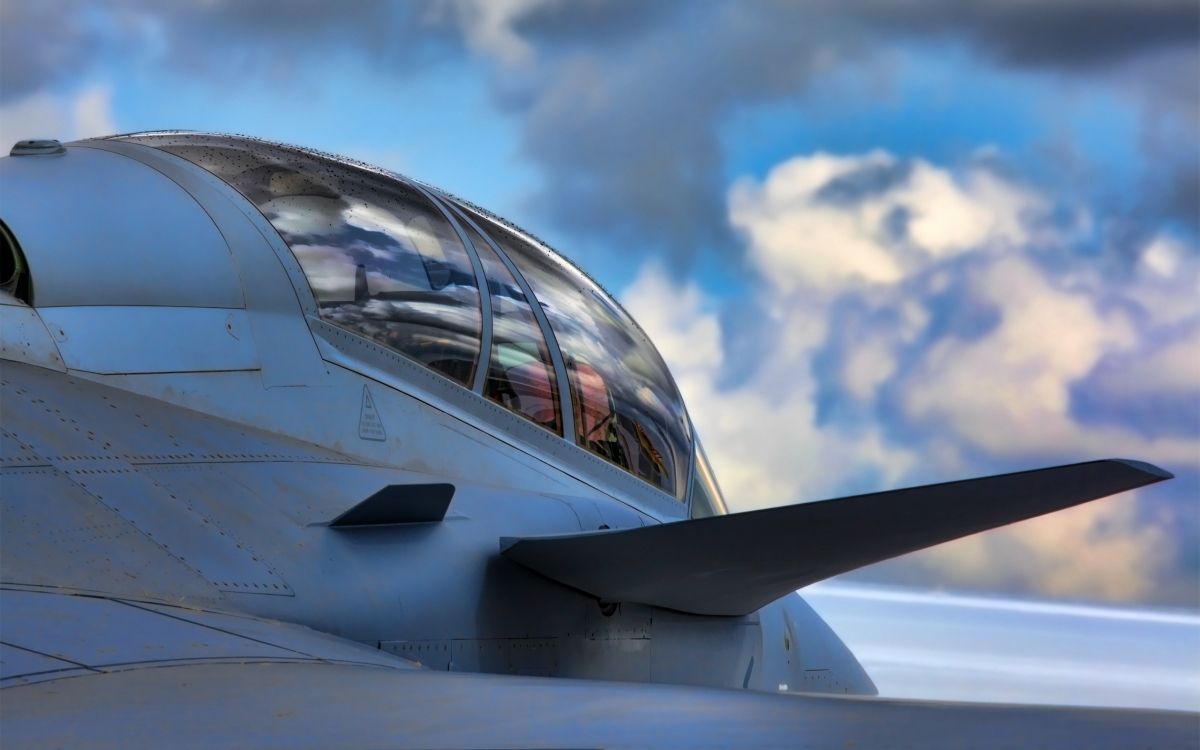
x,y
896,219
1158,384
800,240
935,395
951,215
762,436
91,113
489,26
1166,282
82,114
1162,256
1175,366
1009,390
37,116
869,365
1098,550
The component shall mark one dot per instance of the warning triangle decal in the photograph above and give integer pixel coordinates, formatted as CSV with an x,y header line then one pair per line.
x,y
370,426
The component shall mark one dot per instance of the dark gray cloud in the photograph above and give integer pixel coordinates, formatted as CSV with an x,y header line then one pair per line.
x,y
218,41
622,104
627,132
1183,197
42,44
270,38
854,187
1149,391
590,21
626,127
1065,34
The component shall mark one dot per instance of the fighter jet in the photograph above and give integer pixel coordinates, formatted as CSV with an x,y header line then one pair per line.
x,y
299,452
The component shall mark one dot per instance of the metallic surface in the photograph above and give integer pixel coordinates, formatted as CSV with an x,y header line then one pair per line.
x,y
304,704
116,233
37,147
114,340
275,305
109,492
80,634
289,359
178,427
736,564
25,336
399,503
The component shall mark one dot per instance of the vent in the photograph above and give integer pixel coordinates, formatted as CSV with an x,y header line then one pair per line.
x,y
37,147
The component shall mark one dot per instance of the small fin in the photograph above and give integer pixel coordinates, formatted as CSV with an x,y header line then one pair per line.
x,y
399,503
737,563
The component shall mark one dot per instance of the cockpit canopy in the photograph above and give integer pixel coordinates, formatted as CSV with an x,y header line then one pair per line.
x,y
404,265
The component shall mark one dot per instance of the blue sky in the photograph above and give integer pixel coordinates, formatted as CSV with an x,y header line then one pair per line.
x,y
878,246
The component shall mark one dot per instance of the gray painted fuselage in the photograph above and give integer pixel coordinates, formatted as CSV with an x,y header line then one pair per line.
x,y
184,374
179,428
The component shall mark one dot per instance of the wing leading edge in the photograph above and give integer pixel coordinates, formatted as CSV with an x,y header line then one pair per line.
x,y
735,564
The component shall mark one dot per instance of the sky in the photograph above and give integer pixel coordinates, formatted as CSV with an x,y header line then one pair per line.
x,y
879,244
997,649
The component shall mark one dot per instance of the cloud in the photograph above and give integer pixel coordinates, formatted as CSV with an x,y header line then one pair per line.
x,y
825,220
911,320
43,44
762,436
980,343
92,114
623,106
972,315
222,44
1101,550
1059,33
283,42
1008,391
627,128
490,27
1066,34
81,114
1165,280
1154,391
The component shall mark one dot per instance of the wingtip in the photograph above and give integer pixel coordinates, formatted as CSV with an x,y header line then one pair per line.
x,y
1159,474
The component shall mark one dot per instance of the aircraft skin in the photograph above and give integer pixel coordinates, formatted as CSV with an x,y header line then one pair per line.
x,y
257,494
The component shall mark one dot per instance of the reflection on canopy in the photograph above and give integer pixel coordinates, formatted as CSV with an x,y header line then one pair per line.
x,y
627,409
521,373
381,259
